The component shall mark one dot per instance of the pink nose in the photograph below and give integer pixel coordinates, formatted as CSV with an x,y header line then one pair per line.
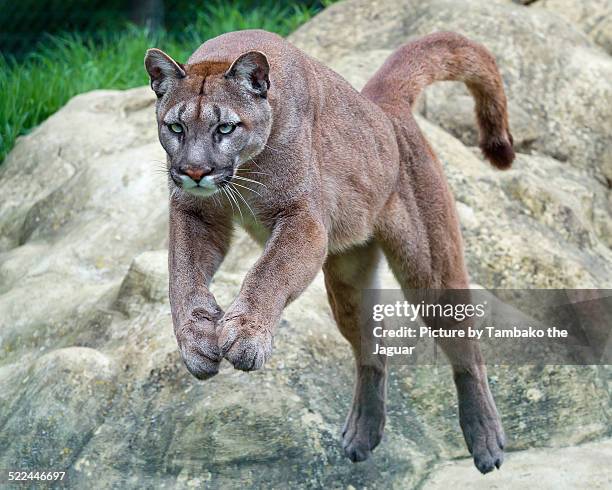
x,y
196,173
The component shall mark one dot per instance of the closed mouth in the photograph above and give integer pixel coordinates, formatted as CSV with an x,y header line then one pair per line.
x,y
204,188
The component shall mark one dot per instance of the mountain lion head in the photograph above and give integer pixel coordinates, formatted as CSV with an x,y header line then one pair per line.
x,y
212,116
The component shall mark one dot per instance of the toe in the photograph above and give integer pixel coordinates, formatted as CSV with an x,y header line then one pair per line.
x,y
483,459
199,365
227,337
242,357
357,453
358,442
488,457
484,464
248,354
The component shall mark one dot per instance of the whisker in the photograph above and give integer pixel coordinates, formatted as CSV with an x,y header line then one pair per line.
x,y
249,171
256,165
272,148
214,196
161,169
258,173
228,199
247,204
231,193
247,188
249,180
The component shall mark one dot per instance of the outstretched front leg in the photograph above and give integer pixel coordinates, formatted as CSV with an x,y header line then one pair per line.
x,y
347,275
291,259
197,244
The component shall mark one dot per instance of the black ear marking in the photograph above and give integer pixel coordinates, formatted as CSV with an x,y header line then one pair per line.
x,y
161,68
252,70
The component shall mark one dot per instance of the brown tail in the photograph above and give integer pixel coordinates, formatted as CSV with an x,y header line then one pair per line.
x,y
449,56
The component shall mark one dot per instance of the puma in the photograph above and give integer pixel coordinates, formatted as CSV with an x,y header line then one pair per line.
x,y
324,177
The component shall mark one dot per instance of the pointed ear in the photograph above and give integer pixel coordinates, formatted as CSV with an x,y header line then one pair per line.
x,y
161,69
251,70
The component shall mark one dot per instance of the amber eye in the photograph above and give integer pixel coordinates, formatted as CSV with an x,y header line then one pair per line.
x,y
175,128
226,128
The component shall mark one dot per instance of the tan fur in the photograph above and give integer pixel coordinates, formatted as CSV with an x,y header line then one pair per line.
x,y
344,176
207,68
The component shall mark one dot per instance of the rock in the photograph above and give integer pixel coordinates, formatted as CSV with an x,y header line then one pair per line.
x,y
61,397
562,86
573,467
594,17
145,282
530,226
91,378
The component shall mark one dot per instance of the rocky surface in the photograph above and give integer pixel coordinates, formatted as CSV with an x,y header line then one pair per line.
x,y
91,378
593,17
566,468
555,77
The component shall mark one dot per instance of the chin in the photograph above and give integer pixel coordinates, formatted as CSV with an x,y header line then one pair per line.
x,y
201,191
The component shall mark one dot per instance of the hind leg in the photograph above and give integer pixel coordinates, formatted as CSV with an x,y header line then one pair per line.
x,y
478,416
421,263
346,276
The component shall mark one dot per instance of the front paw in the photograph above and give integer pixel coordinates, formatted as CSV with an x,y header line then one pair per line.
x,y
198,345
195,319
244,341
197,339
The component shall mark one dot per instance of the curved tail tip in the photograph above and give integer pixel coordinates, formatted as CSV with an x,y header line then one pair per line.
x,y
499,152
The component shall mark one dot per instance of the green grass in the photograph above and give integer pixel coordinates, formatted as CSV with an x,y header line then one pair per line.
x,y
64,66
